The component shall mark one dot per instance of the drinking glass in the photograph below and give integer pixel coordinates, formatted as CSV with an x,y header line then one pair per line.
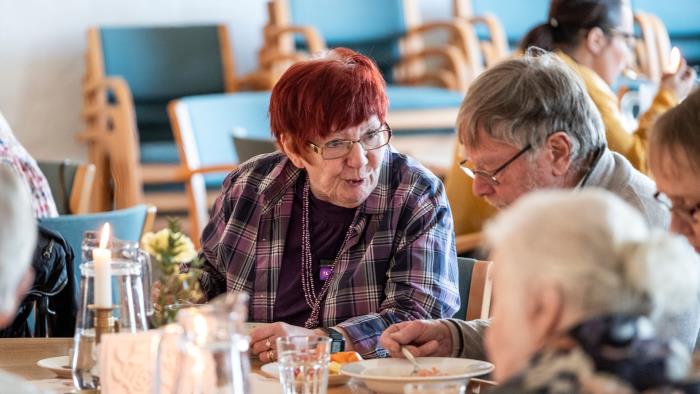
x,y
303,364
436,388
206,351
128,250
127,314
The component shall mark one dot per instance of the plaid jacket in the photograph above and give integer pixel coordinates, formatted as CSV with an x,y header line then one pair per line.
x,y
399,264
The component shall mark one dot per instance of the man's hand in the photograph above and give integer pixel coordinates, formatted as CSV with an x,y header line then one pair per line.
x,y
423,338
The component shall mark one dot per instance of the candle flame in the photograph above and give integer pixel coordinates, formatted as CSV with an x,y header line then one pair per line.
x,y
674,60
104,239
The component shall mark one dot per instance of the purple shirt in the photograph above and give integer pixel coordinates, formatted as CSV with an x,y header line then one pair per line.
x,y
399,262
329,224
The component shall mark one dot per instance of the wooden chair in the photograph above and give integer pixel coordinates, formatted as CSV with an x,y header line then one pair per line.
x,y
475,288
515,19
131,74
71,184
647,56
492,36
127,224
203,126
391,35
677,22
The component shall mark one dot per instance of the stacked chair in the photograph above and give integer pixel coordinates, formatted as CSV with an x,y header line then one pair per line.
x,y
70,183
131,75
425,83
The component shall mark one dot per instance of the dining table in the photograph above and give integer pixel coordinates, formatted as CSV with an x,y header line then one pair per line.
x,y
434,151
20,356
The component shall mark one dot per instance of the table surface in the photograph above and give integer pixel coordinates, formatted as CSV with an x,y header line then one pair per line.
x,y
20,355
433,151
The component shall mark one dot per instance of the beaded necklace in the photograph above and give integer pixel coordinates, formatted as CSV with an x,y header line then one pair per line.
x,y
313,299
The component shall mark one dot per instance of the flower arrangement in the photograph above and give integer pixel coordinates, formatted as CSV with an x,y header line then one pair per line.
x,y
176,271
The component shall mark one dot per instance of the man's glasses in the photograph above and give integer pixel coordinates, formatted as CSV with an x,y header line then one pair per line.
x,y
688,215
335,149
468,167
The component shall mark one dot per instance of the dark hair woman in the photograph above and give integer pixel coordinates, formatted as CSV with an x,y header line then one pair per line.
x,y
596,38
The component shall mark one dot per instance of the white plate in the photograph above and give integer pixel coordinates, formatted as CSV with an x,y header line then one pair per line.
x,y
59,365
389,375
272,370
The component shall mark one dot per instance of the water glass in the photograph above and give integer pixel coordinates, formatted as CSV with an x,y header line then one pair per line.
x,y
206,351
436,388
127,314
303,364
127,250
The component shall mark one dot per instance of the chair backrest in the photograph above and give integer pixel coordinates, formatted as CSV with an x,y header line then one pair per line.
x,y
71,184
516,18
363,25
205,123
163,63
681,20
249,147
202,126
127,224
475,288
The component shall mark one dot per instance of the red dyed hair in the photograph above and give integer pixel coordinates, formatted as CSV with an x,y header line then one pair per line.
x,y
317,97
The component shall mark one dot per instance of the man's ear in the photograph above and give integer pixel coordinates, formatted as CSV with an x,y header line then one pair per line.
x,y
596,40
558,147
286,147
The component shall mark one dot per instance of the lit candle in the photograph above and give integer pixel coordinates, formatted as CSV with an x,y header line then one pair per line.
x,y
674,60
102,259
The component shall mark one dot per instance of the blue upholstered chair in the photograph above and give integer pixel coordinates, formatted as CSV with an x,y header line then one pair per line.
x,y
203,127
475,289
71,184
516,17
127,224
131,75
390,34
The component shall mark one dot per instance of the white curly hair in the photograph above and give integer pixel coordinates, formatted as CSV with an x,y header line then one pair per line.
x,y
599,250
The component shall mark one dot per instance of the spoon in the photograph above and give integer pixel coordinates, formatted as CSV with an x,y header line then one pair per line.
x,y
406,353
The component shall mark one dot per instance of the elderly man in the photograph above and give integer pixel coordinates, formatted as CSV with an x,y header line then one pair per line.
x,y
17,238
528,124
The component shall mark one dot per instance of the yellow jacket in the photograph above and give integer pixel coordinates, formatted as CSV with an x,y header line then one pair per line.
x,y
470,212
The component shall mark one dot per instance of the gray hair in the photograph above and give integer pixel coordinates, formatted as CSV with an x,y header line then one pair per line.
x,y
523,100
599,250
18,234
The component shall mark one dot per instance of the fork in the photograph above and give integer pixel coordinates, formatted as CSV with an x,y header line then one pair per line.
x,y
406,353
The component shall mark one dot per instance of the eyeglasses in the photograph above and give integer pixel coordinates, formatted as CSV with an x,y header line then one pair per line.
x,y
687,215
335,149
468,167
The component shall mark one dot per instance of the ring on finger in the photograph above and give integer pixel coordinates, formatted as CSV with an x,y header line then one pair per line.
x,y
271,355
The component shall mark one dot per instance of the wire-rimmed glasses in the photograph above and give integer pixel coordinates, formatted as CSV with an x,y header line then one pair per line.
x,y
688,215
468,167
337,148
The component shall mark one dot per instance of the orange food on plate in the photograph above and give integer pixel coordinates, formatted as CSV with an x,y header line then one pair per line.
x,y
346,357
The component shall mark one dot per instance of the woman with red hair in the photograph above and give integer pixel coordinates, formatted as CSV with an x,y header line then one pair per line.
x,y
338,234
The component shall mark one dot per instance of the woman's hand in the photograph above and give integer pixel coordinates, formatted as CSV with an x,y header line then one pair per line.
x,y
681,82
263,339
423,338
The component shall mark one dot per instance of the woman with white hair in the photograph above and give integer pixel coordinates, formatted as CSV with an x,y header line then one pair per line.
x,y
577,277
18,234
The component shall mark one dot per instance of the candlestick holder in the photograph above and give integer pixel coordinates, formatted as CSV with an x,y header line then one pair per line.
x,y
127,313
105,323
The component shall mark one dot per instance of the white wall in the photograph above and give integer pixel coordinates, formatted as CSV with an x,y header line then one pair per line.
x,y
41,55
